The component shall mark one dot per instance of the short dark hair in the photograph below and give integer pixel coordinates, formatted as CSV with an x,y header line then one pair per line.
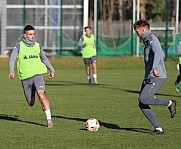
x,y
28,27
141,23
87,27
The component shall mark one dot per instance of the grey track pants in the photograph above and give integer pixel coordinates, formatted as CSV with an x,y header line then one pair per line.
x,y
147,97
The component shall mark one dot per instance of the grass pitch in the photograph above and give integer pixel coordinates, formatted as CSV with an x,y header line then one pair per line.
x,y
113,102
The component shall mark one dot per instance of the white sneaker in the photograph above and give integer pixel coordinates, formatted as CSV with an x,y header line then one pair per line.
x,y
95,81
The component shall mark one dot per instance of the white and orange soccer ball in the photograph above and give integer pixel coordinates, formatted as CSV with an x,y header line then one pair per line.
x,y
92,124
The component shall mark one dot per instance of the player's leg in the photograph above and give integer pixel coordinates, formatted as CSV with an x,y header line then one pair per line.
x,y
94,67
147,95
87,67
146,98
45,106
40,88
33,91
149,114
29,91
177,87
43,99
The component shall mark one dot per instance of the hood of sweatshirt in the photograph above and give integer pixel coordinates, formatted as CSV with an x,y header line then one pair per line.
x,y
29,43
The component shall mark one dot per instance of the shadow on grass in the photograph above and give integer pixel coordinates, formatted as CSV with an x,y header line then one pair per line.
x,y
107,125
72,83
15,118
137,92
64,84
105,86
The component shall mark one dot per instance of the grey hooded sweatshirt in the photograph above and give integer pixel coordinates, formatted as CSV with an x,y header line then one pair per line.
x,y
153,56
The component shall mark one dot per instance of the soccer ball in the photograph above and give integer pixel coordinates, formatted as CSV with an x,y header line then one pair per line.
x,y
92,124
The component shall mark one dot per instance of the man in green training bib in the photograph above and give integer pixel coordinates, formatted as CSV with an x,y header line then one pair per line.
x,y
31,64
88,45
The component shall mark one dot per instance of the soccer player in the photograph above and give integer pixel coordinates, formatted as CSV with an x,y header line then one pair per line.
x,y
155,75
88,45
31,64
177,87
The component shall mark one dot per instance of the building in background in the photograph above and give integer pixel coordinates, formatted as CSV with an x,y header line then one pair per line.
x,y
59,24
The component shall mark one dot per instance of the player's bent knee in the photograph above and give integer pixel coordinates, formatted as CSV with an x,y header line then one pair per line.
x,y
30,103
142,99
87,67
143,106
41,93
42,96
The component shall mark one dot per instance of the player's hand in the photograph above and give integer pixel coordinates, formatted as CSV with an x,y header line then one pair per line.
x,y
156,73
11,75
51,75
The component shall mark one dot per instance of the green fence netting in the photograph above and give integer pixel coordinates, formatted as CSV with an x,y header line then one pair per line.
x,y
116,49
120,46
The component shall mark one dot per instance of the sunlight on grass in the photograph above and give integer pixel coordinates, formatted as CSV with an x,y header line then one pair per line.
x,y
113,102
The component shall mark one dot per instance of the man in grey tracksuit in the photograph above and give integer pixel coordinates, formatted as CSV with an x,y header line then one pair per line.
x,y
155,74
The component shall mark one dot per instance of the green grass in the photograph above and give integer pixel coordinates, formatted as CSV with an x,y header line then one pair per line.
x,y
113,102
